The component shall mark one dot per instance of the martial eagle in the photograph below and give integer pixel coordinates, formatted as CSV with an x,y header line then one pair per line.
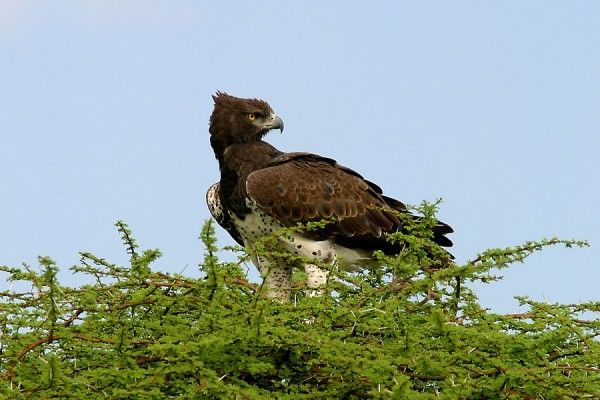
x,y
262,189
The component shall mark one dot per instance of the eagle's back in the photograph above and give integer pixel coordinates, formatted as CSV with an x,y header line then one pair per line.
x,y
292,188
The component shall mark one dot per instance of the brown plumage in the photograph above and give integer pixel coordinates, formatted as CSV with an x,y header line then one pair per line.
x,y
262,188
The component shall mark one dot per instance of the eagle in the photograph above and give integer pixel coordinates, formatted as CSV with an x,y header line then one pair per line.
x,y
262,189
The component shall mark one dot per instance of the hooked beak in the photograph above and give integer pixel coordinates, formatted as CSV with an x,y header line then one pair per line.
x,y
274,122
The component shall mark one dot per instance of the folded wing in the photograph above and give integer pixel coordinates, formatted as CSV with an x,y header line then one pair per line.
x,y
303,187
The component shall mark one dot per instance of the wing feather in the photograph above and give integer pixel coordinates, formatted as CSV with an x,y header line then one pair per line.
x,y
302,187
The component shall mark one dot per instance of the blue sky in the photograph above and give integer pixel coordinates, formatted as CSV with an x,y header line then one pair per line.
x,y
493,106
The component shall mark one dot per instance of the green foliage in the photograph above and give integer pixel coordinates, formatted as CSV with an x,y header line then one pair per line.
x,y
408,330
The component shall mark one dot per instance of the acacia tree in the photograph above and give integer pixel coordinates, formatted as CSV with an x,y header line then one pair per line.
x,y
405,330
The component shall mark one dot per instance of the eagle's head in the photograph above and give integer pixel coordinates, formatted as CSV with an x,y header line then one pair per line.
x,y
236,120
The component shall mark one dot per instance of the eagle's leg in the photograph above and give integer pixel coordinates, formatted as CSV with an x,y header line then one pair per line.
x,y
316,280
277,277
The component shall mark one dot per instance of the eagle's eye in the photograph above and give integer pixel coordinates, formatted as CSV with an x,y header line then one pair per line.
x,y
251,116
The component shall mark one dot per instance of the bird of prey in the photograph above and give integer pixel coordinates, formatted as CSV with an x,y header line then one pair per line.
x,y
262,189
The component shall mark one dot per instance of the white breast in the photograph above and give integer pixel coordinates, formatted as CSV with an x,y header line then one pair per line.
x,y
257,224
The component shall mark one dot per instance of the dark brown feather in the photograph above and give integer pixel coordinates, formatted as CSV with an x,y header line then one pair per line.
x,y
228,125
302,187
